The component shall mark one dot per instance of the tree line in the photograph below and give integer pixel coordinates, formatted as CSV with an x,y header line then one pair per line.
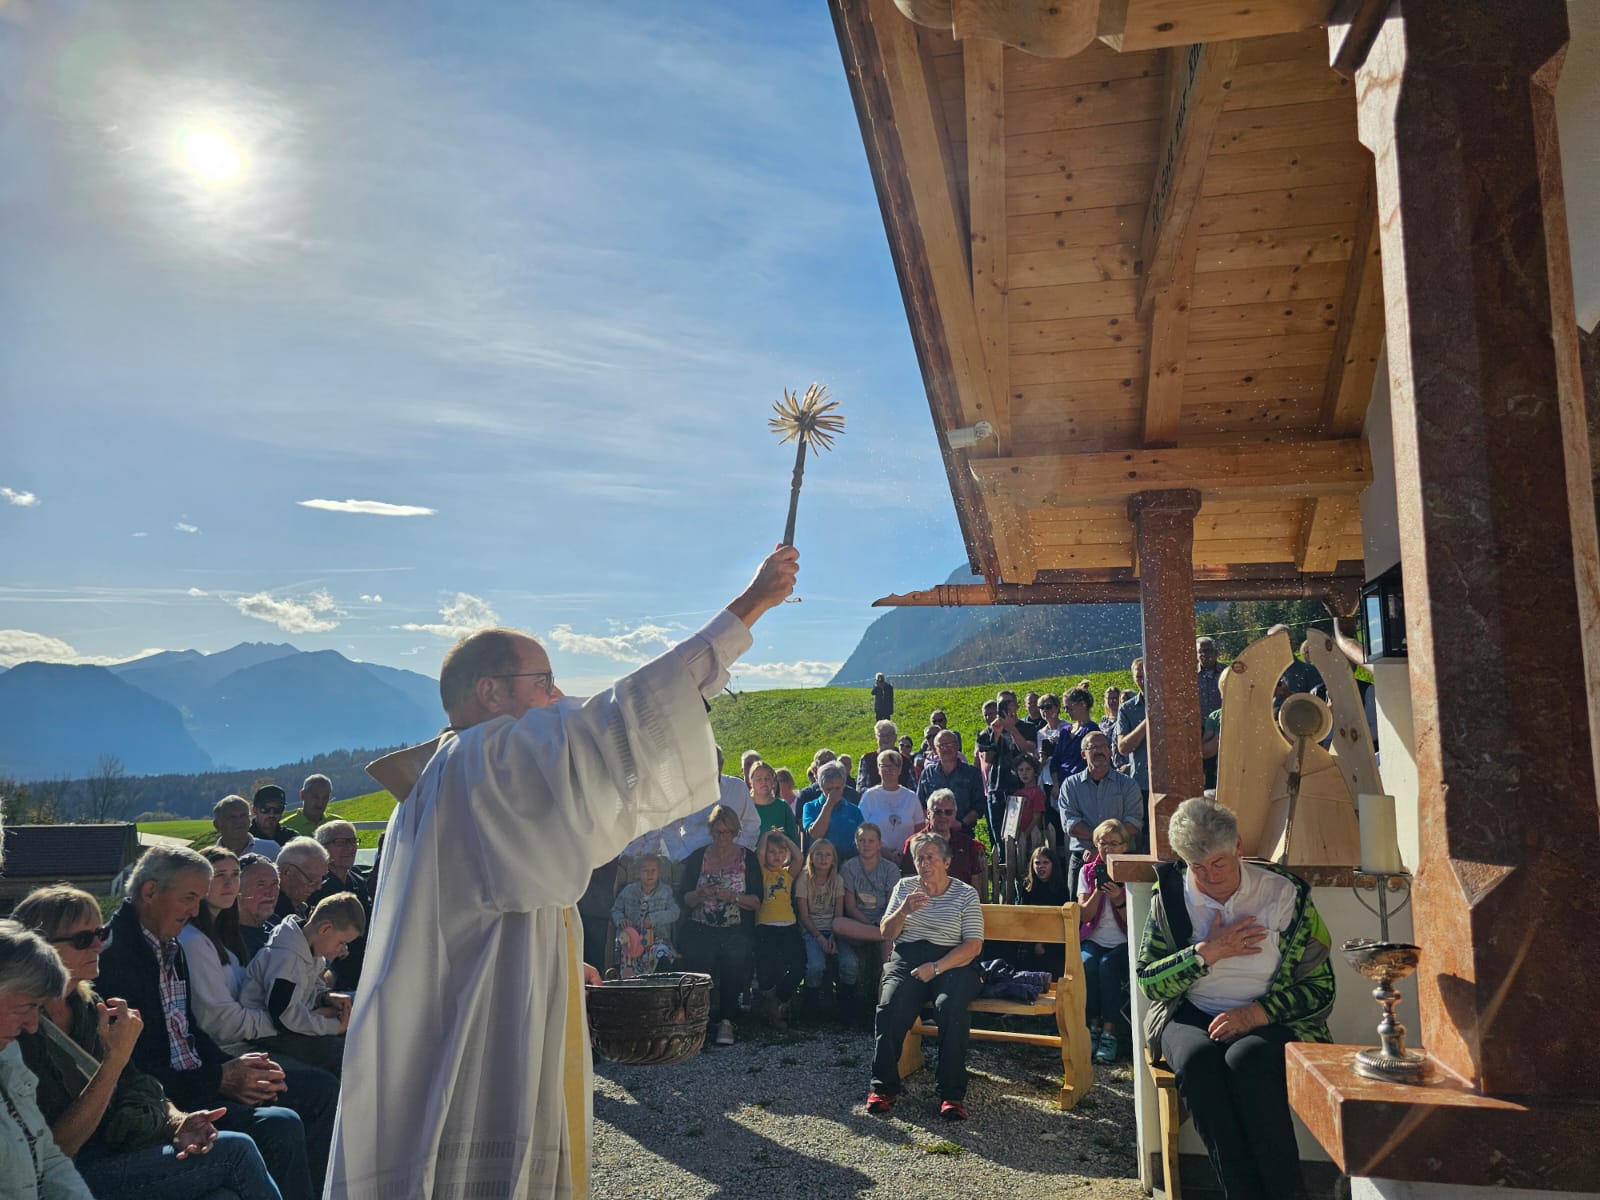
x,y
109,793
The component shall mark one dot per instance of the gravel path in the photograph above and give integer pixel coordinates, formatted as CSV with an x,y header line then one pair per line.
x,y
782,1115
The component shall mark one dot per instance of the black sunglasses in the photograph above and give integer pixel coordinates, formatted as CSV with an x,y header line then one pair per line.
x,y
85,938
269,808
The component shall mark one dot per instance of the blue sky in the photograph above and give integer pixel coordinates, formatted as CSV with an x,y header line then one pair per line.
x,y
541,269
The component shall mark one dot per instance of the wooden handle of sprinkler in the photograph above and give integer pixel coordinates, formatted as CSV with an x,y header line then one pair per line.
x,y
794,492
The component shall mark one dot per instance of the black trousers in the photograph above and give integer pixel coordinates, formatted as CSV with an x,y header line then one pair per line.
x,y
901,997
722,952
780,959
1239,1098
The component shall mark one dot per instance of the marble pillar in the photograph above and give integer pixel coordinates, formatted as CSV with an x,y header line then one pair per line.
x,y
1164,532
1454,102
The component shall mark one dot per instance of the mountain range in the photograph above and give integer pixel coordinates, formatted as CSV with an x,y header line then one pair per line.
x,y
951,647
181,711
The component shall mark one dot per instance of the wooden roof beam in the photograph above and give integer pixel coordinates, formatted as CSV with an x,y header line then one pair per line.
x,y
1338,589
1348,391
1058,30
1311,468
1198,81
1128,25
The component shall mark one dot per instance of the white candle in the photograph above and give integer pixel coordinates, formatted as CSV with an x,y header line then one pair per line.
x,y
1380,840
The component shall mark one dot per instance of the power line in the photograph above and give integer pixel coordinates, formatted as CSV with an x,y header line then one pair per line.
x,y
1012,662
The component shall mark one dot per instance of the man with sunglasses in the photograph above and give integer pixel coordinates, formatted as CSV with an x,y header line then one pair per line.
x,y
266,809
467,1066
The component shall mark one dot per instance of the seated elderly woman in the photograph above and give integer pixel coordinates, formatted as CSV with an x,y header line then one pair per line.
x,y
721,890
936,925
1235,964
125,1137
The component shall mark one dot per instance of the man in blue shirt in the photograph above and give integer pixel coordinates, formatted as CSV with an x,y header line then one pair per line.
x,y
1094,795
948,771
831,816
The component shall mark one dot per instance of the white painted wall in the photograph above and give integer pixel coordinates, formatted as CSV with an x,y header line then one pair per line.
x,y
1390,1189
1578,118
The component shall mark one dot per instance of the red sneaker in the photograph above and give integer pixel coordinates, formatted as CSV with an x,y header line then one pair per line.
x,y
953,1110
879,1104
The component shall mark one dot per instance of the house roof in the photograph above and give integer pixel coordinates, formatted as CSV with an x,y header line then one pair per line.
x,y
1144,266
68,851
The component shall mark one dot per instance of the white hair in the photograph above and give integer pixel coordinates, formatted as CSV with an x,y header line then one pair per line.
x,y
327,830
161,865
29,966
1201,827
300,850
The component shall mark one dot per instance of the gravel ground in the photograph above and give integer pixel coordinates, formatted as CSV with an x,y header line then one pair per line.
x,y
782,1115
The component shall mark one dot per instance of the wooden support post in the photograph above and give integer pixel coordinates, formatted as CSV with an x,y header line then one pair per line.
x,y
1164,524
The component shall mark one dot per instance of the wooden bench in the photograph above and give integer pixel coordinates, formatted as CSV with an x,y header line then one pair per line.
x,y
1169,1107
1065,999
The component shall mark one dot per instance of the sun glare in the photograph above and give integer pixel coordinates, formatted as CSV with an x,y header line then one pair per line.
x,y
211,156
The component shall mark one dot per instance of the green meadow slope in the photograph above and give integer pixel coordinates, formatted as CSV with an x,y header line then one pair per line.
x,y
787,727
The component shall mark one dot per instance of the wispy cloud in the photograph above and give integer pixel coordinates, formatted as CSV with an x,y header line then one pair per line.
x,y
194,591
22,645
463,615
19,499
315,614
372,508
185,527
141,534
635,646
790,674
371,599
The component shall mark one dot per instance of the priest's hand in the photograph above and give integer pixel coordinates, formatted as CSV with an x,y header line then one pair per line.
x,y
252,1079
773,583
590,975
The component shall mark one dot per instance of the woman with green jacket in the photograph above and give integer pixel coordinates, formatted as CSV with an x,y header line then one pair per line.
x,y
1235,964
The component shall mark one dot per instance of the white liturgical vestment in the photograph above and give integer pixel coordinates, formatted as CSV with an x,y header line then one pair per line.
x,y
467,1069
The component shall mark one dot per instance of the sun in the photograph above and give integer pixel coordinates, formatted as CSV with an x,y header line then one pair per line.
x,y
210,156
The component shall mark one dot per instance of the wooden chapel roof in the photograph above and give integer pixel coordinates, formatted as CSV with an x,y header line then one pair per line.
x,y
1144,266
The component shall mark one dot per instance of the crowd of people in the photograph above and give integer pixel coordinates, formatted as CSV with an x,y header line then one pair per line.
x,y
192,1044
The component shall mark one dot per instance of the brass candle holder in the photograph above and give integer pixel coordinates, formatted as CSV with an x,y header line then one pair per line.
x,y
1384,962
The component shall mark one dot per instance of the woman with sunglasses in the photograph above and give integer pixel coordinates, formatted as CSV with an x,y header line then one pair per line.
x,y
115,1122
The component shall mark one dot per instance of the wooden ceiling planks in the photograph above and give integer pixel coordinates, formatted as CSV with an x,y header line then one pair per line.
x,y
1272,259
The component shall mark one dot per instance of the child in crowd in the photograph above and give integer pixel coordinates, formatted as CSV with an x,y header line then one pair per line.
x,y
285,980
1104,938
820,899
1045,886
645,914
780,954
786,788
774,813
1032,797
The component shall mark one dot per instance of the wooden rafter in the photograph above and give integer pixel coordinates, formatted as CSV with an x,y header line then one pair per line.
x,y
1149,24
1335,467
1198,80
861,26
1348,389
983,68
1337,589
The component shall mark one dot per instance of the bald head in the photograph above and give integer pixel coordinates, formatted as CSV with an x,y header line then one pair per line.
x,y
492,673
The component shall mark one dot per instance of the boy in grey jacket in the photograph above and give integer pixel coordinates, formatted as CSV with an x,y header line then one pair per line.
x,y
287,980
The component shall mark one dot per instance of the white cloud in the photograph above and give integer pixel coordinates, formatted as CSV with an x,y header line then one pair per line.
x,y
185,527
20,499
372,508
194,591
21,645
316,614
463,615
790,674
636,646
141,533
372,599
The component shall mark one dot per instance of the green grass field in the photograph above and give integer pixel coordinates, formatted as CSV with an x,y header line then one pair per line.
x,y
787,727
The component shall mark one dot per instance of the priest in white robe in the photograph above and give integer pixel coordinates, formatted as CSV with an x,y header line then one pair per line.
x,y
467,1070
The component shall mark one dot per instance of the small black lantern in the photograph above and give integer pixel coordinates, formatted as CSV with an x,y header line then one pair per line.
x,y
1383,616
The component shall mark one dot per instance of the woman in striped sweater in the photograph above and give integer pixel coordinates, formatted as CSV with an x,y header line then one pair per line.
x,y
1235,964
936,925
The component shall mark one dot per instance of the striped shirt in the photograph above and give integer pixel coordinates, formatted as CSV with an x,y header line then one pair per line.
x,y
946,920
